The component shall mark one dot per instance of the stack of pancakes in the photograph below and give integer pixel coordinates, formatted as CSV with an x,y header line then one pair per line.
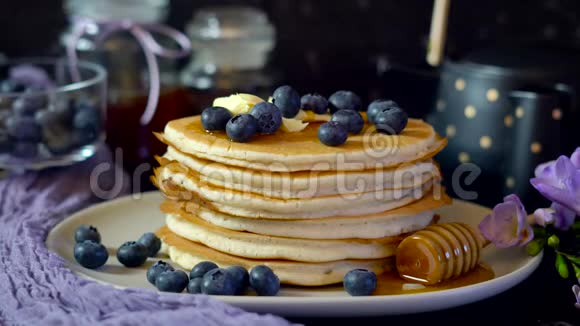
x,y
309,211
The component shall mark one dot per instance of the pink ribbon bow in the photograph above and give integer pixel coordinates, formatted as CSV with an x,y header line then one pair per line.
x,y
151,48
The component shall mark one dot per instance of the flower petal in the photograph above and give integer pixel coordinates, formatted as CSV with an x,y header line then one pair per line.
x,y
563,217
575,158
502,226
544,216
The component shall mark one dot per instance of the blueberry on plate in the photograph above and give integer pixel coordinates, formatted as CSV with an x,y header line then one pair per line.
x,y
194,285
171,281
23,128
201,268
241,278
242,128
132,254
344,100
314,102
288,100
269,117
353,121
90,254
391,121
377,106
215,118
156,269
218,282
264,281
359,282
87,232
151,242
24,149
332,133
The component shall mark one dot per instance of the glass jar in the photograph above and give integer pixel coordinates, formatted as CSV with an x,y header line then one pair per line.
x,y
129,73
230,49
46,118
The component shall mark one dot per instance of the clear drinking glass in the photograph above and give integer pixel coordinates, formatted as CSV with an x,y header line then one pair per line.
x,y
47,119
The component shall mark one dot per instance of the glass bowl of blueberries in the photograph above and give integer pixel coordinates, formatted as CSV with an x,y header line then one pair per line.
x,y
51,113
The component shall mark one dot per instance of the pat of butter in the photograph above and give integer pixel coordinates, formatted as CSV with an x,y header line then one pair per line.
x,y
293,125
238,103
412,286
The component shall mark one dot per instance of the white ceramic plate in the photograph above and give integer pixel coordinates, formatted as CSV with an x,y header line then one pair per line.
x,y
127,218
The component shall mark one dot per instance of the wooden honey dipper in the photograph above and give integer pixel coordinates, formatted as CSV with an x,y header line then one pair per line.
x,y
439,252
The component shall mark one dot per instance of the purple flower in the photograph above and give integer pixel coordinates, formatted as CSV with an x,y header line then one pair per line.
x,y
560,216
559,181
576,290
506,226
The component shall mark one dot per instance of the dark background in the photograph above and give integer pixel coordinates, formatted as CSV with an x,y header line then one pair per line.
x,y
326,45
336,44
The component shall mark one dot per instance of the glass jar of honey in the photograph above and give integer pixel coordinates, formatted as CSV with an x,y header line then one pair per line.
x,y
120,34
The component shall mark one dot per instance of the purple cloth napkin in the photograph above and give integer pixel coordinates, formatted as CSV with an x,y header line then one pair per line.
x,y
37,289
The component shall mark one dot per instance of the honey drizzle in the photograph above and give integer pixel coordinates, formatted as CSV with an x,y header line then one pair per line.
x,y
390,283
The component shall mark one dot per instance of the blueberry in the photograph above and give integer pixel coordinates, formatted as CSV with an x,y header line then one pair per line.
x,y
351,119
288,100
24,149
90,254
87,232
11,86
22,106
332,133
314,102
269,117
151,242
194,285
218,282
215,118
132,254
360,282
156,269
171,281
242,128
377,106
201,268
87,118
24,128
391,121
241,278
344,100
264,281
57,140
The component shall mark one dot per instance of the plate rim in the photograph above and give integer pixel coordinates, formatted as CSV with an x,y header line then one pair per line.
x,y
493,286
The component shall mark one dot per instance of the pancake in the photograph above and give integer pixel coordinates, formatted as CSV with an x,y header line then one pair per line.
x,y
405,219
302,151
304,184
176,182
186,254
257,246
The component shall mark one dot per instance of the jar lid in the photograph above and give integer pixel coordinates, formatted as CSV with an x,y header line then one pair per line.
x,y
136,10
229,23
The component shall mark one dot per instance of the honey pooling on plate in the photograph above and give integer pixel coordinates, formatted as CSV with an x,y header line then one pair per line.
x,y
438,253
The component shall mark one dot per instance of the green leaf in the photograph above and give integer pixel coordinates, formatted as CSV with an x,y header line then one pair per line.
x,y
573,259
562,266
576,270
553,241
539,232
535,246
